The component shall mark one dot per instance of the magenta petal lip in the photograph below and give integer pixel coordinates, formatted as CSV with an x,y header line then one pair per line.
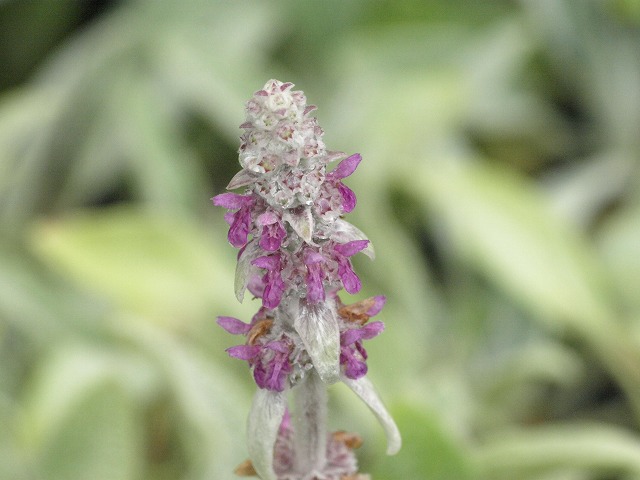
x,y
231,200
367,332
311,257
351,248
233,325
350,281
348,198
267,218
379,302
243,352
270,262
346,167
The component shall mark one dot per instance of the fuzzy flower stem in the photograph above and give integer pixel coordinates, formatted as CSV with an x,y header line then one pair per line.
x,y
310,424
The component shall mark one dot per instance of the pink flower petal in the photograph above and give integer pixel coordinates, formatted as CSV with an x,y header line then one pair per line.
x,y
273,290
244,352
278,346
346,167
350,336
315,288
239,230
231,200
371,330
272,236
350,280
380,301
233,325
351,248
267,218
348,198
355,369
270,262
366,332
311,257
256,286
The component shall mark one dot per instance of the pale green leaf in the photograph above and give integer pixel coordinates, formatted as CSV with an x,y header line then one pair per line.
x,y
209,402
163,267
589,447
503,228
429,450
619,241
71,373
501,225
100,438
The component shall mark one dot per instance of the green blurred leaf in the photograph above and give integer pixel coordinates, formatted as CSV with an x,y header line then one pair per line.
x,y
595,58
499,223
166,175
578,191
503,228
588,447
428,450
38,306
24,116
100,438
82,420
14,461
214,81
164,268
210,404
28,31
517,388
72,373
619,240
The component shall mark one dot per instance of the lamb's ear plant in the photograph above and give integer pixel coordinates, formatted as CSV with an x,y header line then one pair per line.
x,y
295,250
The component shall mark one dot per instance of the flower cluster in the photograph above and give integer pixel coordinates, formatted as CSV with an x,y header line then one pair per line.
x,y
295,255
288,221
278,356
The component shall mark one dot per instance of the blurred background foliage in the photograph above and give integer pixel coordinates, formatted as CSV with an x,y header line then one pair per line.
x,y
501,188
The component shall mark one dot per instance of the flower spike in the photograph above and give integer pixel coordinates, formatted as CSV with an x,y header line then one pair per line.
x,y
295,253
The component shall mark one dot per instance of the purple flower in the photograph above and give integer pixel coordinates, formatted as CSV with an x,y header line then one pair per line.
x,y
342,251
353,356
354,329
274,285
378,303
315,275
267,354
233,325
274,367
351,248
240,221
273,232
244,352
345,168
